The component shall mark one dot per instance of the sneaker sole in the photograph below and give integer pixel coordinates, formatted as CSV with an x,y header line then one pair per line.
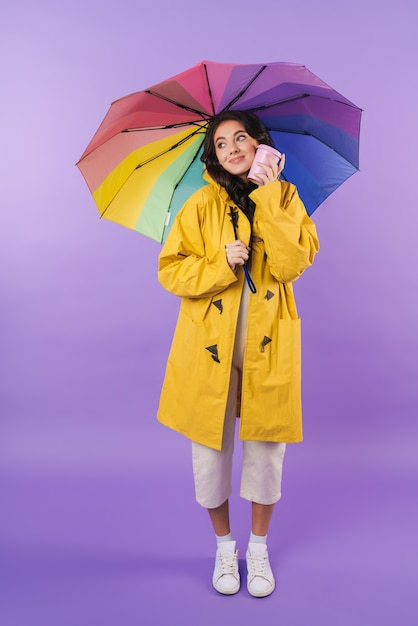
x,y
227,592
261,594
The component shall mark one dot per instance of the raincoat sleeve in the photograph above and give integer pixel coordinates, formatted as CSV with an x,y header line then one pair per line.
x,y
289,234
189,266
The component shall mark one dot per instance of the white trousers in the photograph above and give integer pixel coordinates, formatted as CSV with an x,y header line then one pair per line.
x,y
261,475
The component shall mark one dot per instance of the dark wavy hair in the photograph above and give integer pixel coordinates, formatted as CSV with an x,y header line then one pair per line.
x,y
237,189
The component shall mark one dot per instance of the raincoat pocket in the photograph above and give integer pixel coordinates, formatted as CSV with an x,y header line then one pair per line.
x,y
279,351
288,349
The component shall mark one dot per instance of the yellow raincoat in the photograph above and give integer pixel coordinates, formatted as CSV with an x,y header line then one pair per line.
x,y
193,265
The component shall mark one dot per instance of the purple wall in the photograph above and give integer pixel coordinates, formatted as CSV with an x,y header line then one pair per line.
x,y
99,525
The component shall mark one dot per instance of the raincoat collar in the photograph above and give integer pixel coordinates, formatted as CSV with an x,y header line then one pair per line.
x,y
221,190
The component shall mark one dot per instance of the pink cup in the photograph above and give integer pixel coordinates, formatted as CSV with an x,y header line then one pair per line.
x,y
262,155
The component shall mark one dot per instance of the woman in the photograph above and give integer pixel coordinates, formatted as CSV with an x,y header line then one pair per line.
x,y
236,348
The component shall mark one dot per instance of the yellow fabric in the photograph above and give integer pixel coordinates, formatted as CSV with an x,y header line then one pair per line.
x,y
193,265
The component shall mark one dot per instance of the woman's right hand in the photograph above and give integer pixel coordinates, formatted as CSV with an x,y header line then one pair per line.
x,y
272,170
237,253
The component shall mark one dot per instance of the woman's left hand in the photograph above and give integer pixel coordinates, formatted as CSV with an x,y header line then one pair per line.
x,y
272,170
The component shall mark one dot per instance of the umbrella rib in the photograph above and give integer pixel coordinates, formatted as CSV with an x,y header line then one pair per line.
x,y
204,116
163,127
209,89
263,107
244,89
175,145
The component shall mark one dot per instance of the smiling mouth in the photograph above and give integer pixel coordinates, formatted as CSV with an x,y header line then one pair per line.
x,y
236,159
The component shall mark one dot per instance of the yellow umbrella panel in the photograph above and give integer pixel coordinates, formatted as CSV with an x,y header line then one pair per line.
x,y
138,192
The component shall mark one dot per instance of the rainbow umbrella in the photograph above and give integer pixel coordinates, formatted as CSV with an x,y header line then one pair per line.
x,y
144,160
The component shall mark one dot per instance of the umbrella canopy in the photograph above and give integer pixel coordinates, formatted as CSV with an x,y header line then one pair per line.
x,y
144,160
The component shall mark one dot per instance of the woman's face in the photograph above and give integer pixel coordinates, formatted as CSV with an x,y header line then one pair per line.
x,y
235,148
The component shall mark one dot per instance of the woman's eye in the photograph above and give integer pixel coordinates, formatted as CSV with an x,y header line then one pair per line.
x,y
241,137
221,144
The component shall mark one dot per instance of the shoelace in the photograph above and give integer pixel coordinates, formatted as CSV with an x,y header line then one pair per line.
x,y
258,565
228,563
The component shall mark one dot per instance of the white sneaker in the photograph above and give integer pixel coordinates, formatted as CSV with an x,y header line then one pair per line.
x,y
260,579
226,574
